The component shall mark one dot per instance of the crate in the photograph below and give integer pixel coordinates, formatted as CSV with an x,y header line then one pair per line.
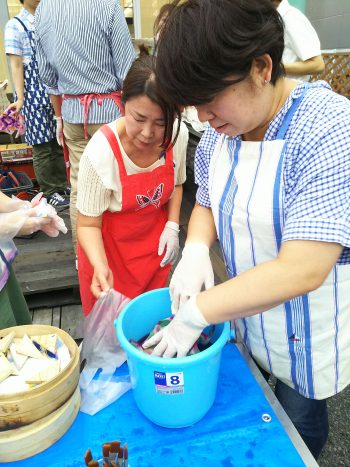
x,y
15,153
20,166
25,184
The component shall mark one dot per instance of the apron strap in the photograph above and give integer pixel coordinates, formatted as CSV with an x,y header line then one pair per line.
x,y
20,21
113,142
287,119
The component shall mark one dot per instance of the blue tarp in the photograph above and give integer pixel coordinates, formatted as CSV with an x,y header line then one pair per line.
x,y
233,432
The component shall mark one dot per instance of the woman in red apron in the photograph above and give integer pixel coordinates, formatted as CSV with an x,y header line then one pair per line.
x,y
129,195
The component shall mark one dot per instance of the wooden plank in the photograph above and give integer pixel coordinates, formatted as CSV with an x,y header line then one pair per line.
x,y
44,281
72,320
66,296
56,316
42,316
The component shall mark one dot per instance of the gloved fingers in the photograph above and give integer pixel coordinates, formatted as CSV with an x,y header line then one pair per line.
x,y
160,349
181,352
154,340
167,257
161,246
170,351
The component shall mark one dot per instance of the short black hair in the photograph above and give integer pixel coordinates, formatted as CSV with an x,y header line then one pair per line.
x,y
21,1
203,43
141,81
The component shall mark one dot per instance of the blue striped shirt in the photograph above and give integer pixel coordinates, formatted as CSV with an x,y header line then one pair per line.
x,y
16,39
316,170
83,47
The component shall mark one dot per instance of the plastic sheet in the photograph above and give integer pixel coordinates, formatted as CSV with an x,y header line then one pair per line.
x,y
99,383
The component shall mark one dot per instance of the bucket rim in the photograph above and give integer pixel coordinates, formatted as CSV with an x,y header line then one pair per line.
x,y
172,361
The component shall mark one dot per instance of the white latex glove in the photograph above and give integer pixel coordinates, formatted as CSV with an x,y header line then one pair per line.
x,y
12,204
22,222
169,240
193,270
33,224
181,333
59,130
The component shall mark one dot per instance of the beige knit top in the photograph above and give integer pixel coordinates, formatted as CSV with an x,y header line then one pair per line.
x,y
99,187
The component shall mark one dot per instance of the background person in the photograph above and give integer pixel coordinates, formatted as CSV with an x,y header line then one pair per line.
x,y
302,49
86,65
33,101
129,194
273,177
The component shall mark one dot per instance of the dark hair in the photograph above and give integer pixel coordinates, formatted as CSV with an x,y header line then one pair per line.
x,y
141,81
202,43
21,1
164,12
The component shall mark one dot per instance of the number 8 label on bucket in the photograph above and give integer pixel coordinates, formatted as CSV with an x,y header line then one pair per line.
x,y
169,383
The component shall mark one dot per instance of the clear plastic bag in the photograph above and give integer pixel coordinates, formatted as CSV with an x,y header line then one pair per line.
x,y
100,382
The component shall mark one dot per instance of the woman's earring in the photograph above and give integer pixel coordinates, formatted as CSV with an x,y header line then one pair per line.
x,y
266,81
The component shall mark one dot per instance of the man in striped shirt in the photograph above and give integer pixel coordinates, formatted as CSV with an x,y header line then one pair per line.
x,y
84,51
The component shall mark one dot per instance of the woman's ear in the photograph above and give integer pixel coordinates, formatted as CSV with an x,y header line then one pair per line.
x,y
262,69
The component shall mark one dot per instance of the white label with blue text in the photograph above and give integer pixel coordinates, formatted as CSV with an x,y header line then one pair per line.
x,y
169,383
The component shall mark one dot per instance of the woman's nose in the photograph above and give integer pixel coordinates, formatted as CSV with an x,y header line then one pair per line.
x,y
204,113
147,131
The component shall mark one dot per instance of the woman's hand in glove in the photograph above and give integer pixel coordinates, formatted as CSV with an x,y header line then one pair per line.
x,y
33,224
169,240
181,333
193,270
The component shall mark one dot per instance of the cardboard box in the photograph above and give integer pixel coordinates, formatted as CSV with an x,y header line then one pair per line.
x,y
15,153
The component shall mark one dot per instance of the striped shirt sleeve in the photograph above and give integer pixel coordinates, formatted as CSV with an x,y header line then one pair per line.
x,y
203,156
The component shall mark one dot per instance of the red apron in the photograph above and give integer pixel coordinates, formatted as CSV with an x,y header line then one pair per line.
x,y
131,236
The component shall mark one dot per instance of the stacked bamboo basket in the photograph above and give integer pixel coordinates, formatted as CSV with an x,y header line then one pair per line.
x,y
36,418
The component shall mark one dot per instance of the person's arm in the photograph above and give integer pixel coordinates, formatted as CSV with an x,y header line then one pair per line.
x,y
90,239
174,204
301,267
16,63
201,227
311,66
56,101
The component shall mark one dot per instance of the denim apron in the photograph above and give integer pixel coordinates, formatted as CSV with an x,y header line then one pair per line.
x,y
303,342
37,109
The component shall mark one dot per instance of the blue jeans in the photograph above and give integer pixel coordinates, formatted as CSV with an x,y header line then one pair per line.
x,y
309,416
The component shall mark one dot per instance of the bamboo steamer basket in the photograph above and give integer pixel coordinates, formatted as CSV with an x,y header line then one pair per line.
x,y
31,439
21,408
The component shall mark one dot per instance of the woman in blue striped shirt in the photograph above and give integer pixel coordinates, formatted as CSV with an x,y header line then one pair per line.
x,y
273,177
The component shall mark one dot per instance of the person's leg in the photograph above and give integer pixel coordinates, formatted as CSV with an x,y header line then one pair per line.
x,y
58,168
13,307
309,416
42,167
76,142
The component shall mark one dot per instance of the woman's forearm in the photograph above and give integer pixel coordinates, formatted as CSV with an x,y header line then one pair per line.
x,y
201,227
174,205
302,266
90,239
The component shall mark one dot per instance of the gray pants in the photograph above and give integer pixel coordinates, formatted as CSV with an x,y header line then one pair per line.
x,y
49,167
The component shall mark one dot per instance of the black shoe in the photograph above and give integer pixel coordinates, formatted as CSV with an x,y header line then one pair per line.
x,y
65,193
58,202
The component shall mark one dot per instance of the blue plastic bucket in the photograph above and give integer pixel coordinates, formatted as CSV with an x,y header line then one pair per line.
x,y
171,392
